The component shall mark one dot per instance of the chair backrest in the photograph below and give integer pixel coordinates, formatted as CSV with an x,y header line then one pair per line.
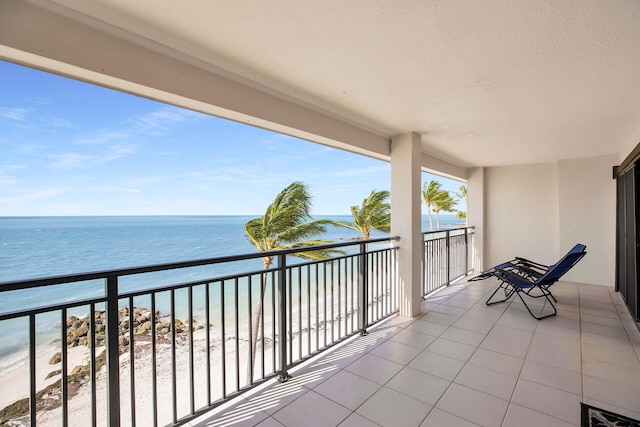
x,y
577,248
565,264
574,250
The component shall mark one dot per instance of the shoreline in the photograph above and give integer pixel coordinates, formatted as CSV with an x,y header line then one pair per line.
x,y
221,351
15,384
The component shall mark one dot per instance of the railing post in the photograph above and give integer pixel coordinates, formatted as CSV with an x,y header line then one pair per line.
x,y
423,273
113,353
466,251
363,289
448,243
282,296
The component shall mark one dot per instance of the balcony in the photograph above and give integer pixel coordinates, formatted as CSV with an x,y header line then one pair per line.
x,y
348,356
143,346
462,363
531,104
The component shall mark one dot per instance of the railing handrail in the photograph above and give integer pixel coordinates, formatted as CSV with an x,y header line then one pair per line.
x,y
80,277
442,230
365,279
442,257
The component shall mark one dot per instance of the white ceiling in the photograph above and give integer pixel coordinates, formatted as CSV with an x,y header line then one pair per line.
x,y
484,82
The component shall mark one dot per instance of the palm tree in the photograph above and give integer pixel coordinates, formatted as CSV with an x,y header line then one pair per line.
x,y
286,224
443,202
430,193
462,195
374,213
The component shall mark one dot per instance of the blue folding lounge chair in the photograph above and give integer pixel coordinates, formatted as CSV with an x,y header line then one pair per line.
x,y
524,267
514,281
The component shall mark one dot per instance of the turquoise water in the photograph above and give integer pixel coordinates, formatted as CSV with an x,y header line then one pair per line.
x,y
47,246
32,247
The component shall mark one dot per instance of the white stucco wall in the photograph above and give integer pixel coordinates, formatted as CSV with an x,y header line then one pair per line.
x,y
521,213
630,145
539,211
587,205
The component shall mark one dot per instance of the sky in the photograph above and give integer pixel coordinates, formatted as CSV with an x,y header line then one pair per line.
x,y
72,148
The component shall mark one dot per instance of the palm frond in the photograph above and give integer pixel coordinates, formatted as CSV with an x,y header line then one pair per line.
x,y
374,213
444,202
301,232
462,195
431,191
316,255
287,223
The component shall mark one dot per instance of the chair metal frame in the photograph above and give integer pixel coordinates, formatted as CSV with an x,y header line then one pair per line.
x,y
522,276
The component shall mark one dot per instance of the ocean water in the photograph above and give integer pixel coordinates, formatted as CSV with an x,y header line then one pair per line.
x,y
47,246
32,247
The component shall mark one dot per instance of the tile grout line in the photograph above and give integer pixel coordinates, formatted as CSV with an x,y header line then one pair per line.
x,y
465,364
407,366
518,377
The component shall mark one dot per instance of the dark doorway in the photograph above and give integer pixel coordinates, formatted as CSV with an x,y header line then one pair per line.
x,y
627,241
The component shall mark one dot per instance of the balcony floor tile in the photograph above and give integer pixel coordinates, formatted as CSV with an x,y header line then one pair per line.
x,y
499,362
553,377
439,418
312,406
419,385
472,405
487,381
348,389
375,368
390,408
551,401
462,363
519,416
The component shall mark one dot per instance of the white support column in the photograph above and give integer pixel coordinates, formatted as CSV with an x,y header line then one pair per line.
x,y
475,214
406,218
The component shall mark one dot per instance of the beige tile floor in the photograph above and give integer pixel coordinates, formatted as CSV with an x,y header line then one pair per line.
x,y
462,363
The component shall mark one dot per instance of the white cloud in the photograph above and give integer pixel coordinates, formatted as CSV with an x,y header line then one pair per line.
x,y
29,148
76,160
7,181
110,189
30,196
362,171
238,176
7,168
101,138
57,122
39,100
158,122
71,160
117,151
121,142
146,180
19,114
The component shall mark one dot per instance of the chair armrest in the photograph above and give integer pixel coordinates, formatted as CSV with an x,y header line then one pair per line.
x,y
532,264
518,280
527,272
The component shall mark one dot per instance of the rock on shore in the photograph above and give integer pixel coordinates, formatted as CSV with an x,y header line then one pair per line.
x,y
78,330
79,334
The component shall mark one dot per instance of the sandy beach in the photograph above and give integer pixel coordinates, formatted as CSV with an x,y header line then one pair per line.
x,y
15,383
227,358
14,380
